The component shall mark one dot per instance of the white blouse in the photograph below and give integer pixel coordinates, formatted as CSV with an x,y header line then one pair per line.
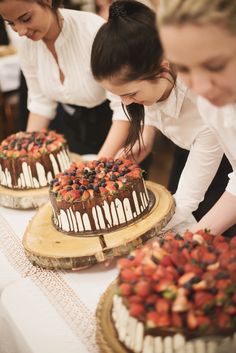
x,y
223,122
73,48
179,119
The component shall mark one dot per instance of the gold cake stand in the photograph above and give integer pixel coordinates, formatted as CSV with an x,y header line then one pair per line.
x,y
106,335
28,199
47,247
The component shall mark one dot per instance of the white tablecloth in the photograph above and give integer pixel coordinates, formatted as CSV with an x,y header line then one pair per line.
x,y
45,311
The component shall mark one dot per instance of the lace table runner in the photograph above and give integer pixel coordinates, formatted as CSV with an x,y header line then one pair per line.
x,y
80,319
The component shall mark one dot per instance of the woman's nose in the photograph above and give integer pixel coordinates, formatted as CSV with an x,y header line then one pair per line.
x,y
201,84
21,29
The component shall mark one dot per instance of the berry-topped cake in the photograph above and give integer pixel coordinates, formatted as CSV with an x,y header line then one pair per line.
x,y
98,196
30,160
178,294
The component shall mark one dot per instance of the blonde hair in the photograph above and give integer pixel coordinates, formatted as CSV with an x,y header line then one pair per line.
x,y
178,12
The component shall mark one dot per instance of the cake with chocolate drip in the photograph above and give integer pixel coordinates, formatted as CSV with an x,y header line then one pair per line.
x,y
98,196
178,294
30,160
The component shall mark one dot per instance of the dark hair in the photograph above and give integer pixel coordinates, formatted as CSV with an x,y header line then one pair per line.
x,y
128,46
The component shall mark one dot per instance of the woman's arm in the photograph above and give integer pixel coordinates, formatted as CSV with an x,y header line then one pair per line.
x,y
201,166
115,139
147,142
113,145
37,122
220,217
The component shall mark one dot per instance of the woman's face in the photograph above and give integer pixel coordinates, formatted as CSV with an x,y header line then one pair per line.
x,y
205,57
27,18
141,92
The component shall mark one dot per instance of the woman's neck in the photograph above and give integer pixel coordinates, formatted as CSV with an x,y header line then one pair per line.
x,y
168,89
54,30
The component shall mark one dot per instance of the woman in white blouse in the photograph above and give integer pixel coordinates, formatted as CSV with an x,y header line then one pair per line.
x,y
127,60
54,54
199,37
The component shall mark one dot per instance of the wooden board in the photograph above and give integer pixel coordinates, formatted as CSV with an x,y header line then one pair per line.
x,y
23,199
106,336
47,247
28,199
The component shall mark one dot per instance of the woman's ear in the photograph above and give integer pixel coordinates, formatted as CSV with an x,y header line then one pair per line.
x,y
48,3
165,63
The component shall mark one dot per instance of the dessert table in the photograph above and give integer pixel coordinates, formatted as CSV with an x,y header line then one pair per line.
x,y
45,311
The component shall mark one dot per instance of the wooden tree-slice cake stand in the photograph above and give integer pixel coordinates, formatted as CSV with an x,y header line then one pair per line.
x,y
49,248
106,335
27,199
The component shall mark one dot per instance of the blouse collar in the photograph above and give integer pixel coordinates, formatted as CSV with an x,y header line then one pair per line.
x,y
173,104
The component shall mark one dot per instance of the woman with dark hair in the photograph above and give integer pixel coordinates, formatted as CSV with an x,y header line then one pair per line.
x,y
54,54
127,60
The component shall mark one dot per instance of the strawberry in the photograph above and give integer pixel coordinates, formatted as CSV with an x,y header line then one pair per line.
x,y
203,322
136,310
125,289
162,306
75,195
156,320
166,261
188,236
124,262
191,320
189,267
142,288
128,275
186,278
151,299
85,196
176,320
135,299
223,320
202,299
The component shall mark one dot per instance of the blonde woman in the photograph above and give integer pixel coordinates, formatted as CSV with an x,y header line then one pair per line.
x,y
199,37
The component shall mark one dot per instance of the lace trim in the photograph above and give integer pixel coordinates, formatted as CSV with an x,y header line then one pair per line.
x,y
67,303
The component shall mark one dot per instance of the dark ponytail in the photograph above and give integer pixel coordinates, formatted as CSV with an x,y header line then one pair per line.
x,y
127,48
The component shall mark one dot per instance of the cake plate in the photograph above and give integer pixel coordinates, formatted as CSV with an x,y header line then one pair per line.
x,y
49,248
28,199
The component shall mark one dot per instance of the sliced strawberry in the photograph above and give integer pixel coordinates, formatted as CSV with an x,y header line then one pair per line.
x,y
85,196
203,299
191,320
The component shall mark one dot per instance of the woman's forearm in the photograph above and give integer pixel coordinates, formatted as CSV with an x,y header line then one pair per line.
x,y
115,140
220,217
37,122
